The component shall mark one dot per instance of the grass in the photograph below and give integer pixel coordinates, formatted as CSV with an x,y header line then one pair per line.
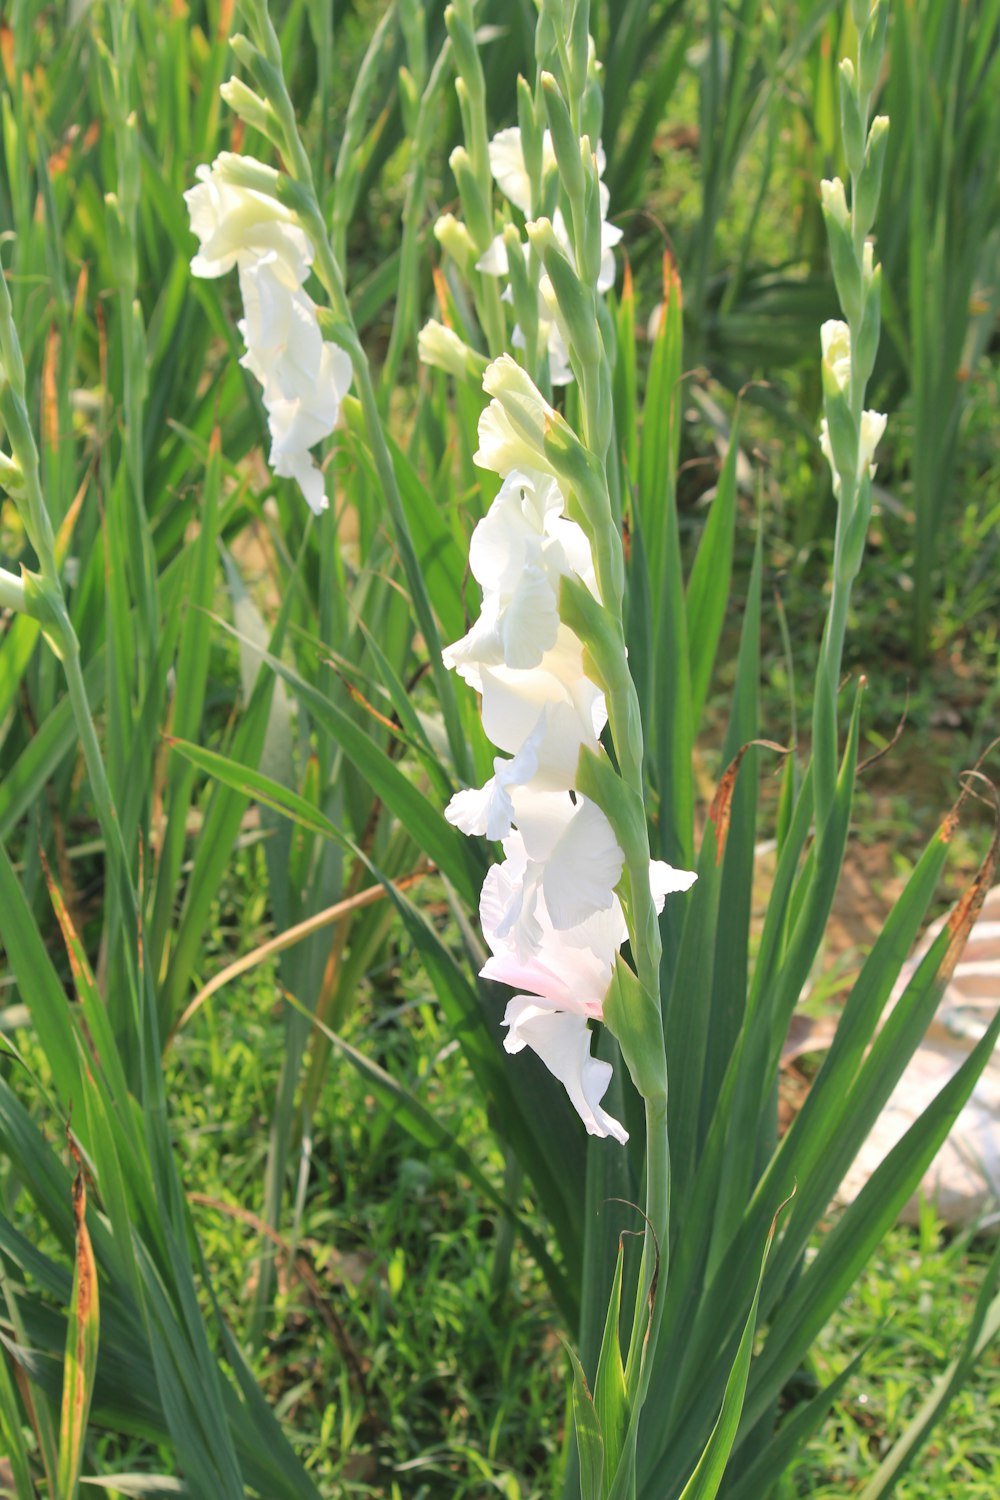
x,y
401,1360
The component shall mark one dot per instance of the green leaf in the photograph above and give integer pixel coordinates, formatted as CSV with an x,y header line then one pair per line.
x,y
789,1440
589,1442
610,1394
707,1477
709,584
80,1365
856,1234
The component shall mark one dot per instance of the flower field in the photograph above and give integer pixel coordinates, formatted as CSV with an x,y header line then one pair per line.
x,y
498,672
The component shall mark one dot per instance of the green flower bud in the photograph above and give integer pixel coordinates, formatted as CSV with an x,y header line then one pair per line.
x,y
869,183
846,271
868,334
462,31
251,108
477,213
456,241
264,74
442,348
11,474
575,300
565,140
532,130
873,48
841,430
524,290
850,118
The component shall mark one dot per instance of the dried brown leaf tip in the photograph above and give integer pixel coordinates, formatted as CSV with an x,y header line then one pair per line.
x,y
721,809
963,918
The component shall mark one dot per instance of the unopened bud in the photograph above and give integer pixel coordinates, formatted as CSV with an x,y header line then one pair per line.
x,y
456,241
11,476
835,337
870,179
474,205
442,348
251,108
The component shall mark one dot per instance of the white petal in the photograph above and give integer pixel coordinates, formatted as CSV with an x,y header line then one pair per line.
x,y
236,224
486,811
508,168
665,881
583,869
562,1041
493,261
530,623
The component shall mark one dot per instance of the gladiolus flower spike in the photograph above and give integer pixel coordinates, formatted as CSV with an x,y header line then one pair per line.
x,y
304,376
550,913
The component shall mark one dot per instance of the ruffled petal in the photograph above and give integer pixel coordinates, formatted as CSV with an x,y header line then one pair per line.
x,y
562,1041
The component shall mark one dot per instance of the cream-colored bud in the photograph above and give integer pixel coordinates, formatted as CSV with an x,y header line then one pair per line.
x,y
441,347
835,200
836,340
872,427
455,240
11,591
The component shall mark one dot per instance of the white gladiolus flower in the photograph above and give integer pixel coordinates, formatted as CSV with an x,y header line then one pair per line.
x,y
238,225
562,1040
550,913
519,551
512,428
304,377
571,967
835,337
574,859
559,703
511,175
566,974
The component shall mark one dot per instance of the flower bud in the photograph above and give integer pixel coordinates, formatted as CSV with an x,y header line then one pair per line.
x,y
11,591
869,183
513,427
532,133
846,271
850,118
264,74
873,425
564,139
456,241
835,201
442,348
576,303
11,475
477,212
251,108
868,334
835,337
459,20
873,48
